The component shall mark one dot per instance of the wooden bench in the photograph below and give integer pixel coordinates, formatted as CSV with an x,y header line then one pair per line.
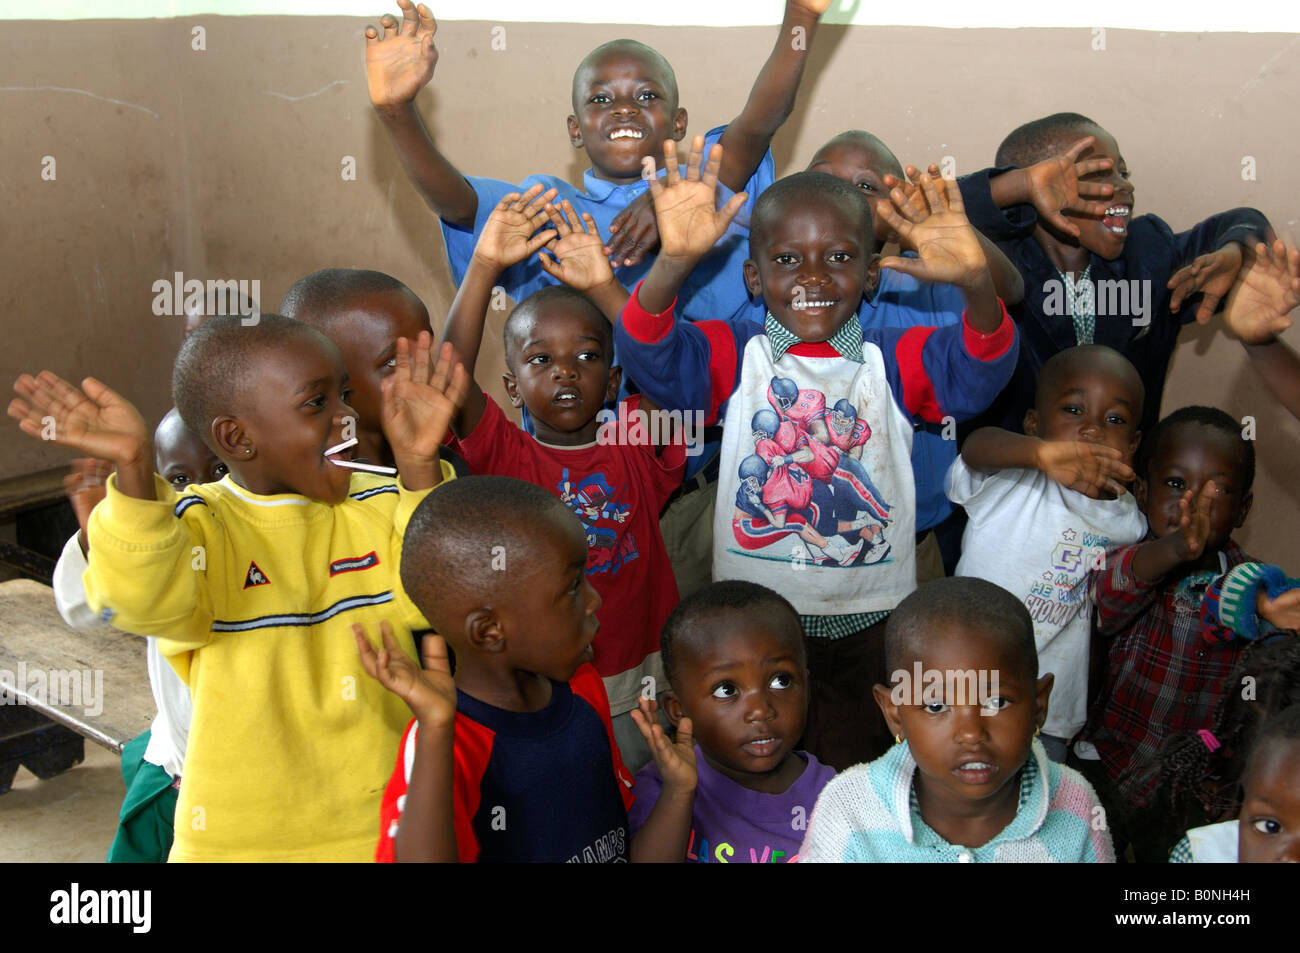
x,y
20,496
61,686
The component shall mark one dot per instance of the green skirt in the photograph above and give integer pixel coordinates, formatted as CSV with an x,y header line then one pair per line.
x,y
145,826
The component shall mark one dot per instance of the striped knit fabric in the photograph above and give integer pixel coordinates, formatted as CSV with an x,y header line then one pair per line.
x,y
1212,844
868,814
1230,601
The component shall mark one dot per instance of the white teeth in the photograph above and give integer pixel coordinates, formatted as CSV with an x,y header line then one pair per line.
x,y
1119,211
626,134
804,305
975,766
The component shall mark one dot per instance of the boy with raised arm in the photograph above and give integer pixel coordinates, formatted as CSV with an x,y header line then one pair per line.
x,y
625,106
841,546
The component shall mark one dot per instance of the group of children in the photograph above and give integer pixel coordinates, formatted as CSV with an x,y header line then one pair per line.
x,y
593,682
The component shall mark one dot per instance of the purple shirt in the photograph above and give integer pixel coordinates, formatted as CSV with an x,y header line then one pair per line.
x,y
730,823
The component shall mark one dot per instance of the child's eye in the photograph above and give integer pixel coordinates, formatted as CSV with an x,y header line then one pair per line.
x,y
576,587
220,470
589,356
724,690
997,703
839,257
935,708
782,680
866,187
390,363
1175,483
179,480
346,395
647,94
318,402
599,99
538,359
785,259
1267,825
1116,419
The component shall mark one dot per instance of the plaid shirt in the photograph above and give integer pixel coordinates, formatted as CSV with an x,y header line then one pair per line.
x,y
1166,670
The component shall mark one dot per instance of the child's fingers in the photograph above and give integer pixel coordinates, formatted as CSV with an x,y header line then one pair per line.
x,y
550,266
731,210
410,19
589,224
434,654
906,266
952,193
365,650
536,207
1059,221
571,217
1089,166
442,368
932,194
695,159
672,174
427,22
1078,148
391,28
650,173
712,166
643,726
900,204
686,733
540,240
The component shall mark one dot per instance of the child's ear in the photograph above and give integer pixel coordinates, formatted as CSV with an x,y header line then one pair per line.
x,y
1133,445
1041,694
679,125
232,440
1140,492
1244,510
575,132
873,277
1031,422
512,389
483,631
885,699
672,707
615,382
752,283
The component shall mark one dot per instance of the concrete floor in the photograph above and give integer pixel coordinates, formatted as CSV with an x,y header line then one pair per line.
x,y
71,817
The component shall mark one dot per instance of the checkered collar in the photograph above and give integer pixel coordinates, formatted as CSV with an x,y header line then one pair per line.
x,y
847,341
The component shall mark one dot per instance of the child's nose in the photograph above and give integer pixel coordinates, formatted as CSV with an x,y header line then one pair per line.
x,y
759,707
968,724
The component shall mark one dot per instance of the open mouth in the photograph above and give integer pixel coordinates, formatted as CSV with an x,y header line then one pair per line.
x,y
762,747
626,132
1116,219
976,772
812,304
341,456
567,398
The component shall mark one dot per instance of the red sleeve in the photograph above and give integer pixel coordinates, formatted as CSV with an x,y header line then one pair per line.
x,y
663,467
390,814
586,683
991,346
493,446
1119,594
918,389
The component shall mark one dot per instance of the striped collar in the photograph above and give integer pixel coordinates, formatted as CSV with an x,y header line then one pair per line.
x,y
847,341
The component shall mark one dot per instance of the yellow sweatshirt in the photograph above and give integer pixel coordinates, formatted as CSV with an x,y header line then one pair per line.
x,y
253,599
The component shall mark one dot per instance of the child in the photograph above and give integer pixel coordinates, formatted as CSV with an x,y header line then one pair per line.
x,y
514,760
1166,672
966,781
559,351
151,762
1268,827
625,107
735,657
365,314
810,363
289,544
1060,204
1045,506
900,301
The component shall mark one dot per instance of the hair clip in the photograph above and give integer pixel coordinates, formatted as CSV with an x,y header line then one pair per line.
x,y
1208,739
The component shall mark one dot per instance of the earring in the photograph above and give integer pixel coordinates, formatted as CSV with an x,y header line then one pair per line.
x,y
248,450
898,739
1037,729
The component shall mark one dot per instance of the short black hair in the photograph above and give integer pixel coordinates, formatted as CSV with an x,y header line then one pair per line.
x,y
530,306
972,603
316,296
463,536
868,141
730,595
1040,139
804,188
1195,415
210,376
1091,355
636,48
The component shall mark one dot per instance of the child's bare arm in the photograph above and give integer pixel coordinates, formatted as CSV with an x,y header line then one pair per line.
x,y
1007,280
1279,366
946,244
399,63
510,235
1156,558
95,420
428,828
1057,185
1086,467
771,100
665,835
419,400
1266,292
577,258
689,222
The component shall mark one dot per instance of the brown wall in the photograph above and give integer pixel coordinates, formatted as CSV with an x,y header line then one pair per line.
x,y
201,168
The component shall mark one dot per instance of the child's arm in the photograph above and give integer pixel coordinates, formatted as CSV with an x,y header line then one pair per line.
x,y
947,246
419,400
1085,467
428,829
398,65
633,232
665,835
577,258
1007,281
509,235
1056,185
84,487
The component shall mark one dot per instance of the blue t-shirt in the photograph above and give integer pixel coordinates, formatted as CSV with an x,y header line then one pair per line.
x,y
902,301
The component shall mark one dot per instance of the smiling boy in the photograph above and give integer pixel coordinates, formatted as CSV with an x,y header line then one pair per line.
x,y
248,582
625,106
811,247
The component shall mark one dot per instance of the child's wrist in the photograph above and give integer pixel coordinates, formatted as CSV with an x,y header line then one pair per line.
x,y
397,112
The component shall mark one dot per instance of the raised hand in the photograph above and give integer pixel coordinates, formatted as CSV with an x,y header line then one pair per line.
x,y
419,400
94,420
1087,468
675,760
1056,185
1266,292
400,63
1194,521
634,233
579,255
511,232
689,221
1283,612
430,691
932,221
1212,273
